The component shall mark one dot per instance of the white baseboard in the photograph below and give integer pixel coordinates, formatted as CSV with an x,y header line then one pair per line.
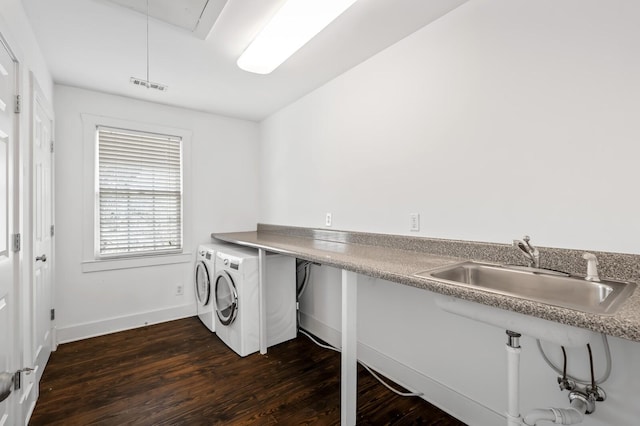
x,y
456,404
99,328
32,406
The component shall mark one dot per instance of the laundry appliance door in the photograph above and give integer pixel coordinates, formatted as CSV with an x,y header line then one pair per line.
x,y
226,298
203,284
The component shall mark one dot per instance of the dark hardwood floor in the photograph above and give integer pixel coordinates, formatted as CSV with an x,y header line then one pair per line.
x,y
178,373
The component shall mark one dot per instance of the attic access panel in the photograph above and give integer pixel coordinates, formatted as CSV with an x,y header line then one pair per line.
x,y
195,16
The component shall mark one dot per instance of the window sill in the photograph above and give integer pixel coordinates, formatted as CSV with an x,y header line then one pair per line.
x,y
134,262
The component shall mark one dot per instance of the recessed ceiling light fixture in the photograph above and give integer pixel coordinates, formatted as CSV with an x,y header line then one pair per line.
x,y
297,22
147,83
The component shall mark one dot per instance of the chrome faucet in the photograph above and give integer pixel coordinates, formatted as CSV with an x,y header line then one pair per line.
x,y
529,251
592,267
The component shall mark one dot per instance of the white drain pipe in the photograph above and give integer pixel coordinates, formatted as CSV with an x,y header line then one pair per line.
x,y
513,379
561,416
580,405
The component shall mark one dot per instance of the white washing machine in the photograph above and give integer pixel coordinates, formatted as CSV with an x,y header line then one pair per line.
x,y
203,281
236,299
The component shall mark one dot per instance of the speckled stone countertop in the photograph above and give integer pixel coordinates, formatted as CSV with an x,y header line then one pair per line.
x,y
398,258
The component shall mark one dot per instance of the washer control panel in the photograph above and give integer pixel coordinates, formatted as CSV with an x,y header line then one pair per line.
x,y
230,261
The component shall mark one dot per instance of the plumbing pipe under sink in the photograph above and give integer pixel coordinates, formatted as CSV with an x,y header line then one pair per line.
x,y
563,335
562,416
513,379
580,404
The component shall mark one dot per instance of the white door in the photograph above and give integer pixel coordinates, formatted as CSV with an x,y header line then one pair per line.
x,y
8,259
42,231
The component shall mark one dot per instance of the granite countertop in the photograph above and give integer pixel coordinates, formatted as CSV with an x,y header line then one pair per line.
x,y
399,265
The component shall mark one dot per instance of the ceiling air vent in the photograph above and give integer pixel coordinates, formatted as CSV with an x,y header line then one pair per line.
x,y
149,84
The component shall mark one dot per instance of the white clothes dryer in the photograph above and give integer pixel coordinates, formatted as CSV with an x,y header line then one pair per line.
x,y
236,299
203,281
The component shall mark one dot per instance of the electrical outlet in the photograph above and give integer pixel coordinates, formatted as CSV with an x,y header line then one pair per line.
x,y
327,220
179,290
414,221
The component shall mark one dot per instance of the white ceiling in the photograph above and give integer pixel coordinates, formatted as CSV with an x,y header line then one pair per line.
x,y
99,45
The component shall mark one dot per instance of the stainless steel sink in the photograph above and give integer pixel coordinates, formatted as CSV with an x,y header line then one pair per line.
x,y
553,288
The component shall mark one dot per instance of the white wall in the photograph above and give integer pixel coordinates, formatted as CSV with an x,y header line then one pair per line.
x,y
223,198
502,118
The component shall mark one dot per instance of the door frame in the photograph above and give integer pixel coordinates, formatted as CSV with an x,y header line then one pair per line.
x,y
29,392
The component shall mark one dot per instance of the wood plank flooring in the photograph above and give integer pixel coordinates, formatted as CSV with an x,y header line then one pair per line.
x,y
178,373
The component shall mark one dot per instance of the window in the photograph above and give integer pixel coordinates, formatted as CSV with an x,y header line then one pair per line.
x,y
139,193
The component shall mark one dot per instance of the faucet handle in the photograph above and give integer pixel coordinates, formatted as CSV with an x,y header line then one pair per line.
x,y
526,239
592,267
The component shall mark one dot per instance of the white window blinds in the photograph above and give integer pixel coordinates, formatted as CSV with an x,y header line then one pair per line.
x,y
139,193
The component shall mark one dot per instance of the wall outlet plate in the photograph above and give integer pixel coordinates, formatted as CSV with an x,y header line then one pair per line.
x,y
328,219
179,290
414,221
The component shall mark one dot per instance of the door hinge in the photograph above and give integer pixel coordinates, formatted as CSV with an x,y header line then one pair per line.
x,y
51,146
52,230
17,380
16,244
17,377
53,314
18,104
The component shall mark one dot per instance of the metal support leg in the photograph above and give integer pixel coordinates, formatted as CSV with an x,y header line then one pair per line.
x,y
262,265
349,380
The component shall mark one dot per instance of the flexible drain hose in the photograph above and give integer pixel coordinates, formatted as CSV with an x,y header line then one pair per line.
x,y
561,416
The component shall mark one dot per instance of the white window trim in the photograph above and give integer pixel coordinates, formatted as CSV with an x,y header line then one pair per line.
x,y
90,262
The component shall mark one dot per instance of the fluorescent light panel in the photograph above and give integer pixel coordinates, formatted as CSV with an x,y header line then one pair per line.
x,y
297,22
